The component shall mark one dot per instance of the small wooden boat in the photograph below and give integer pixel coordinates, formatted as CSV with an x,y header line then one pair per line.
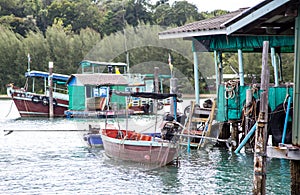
x,y
137,147
131,146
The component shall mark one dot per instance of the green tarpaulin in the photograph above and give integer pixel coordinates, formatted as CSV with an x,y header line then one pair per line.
x,y
76,97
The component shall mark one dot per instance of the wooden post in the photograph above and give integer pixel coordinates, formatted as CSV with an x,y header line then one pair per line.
x,y
188,127
295,177
260,154
50,90
247,121
235,135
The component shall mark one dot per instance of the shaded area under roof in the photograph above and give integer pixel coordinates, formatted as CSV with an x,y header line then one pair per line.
x,y
282,44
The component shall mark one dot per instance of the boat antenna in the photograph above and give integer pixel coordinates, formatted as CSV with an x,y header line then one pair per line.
x,y
125,41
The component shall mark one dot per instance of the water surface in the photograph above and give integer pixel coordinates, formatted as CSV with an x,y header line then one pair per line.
x,y
61,163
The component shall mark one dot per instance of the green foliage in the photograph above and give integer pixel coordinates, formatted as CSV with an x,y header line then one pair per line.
x,y
68,31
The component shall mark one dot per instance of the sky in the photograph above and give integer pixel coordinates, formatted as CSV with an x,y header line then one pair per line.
x,y
229,5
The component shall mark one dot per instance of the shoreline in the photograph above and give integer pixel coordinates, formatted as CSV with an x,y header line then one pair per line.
x,y
4,97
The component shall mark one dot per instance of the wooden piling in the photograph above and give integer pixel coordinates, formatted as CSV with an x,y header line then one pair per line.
x,y
259,180
51,113
295,177
247,120
235,135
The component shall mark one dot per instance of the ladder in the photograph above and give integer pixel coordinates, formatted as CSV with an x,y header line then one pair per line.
x,y
191,130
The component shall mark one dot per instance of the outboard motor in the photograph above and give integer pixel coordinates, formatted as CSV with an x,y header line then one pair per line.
x,y
169,130
180,118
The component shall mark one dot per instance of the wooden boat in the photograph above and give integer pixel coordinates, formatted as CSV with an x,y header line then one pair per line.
x,y
137,147
32,104
131,146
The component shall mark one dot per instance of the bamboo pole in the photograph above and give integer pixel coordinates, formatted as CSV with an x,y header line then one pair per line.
x,y
260,154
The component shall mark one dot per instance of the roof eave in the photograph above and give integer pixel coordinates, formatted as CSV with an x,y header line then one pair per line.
x,y
254,16
191,34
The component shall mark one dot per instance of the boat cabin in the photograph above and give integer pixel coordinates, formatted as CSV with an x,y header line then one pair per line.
x,y
59,82
93,92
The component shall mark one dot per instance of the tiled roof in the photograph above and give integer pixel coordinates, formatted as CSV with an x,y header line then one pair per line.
x,y
99,79
204,25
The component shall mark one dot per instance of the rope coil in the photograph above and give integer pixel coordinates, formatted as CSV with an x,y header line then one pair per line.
x,y
230,87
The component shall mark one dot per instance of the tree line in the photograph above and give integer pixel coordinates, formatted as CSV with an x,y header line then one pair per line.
x,y
68,31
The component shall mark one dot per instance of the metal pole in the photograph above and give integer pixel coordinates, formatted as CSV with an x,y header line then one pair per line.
x,y
286,120
274,64
156,89
295,164
28,65
241,67
50,90
173,90
216,70
246,139
196,74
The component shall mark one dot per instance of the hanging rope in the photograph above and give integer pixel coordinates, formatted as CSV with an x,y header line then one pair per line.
x,y
230,87
9,109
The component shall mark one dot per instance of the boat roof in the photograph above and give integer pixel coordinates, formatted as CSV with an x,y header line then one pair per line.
x,y
98,79
97,63
40,74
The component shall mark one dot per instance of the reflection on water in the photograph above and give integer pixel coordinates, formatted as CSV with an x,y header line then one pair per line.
x,y
60,162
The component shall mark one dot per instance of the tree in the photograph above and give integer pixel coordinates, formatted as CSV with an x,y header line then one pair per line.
x,y
177,14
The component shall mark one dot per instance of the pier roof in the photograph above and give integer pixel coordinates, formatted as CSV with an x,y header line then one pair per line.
x,y
244,29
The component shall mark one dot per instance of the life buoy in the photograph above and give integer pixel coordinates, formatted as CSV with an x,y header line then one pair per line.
x,y
277,124
35,99
45,101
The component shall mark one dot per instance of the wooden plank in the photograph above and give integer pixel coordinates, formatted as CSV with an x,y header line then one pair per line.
x,y
199,120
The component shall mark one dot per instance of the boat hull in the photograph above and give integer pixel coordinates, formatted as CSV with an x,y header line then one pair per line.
x,y
34,106
93,140
146,151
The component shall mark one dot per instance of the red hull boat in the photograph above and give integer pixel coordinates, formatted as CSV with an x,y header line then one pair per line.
x,y
34,105
31,104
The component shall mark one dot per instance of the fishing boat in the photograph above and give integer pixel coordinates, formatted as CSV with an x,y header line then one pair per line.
x,y
33,100
137,147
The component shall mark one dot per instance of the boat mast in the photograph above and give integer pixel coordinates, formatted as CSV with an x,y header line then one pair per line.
x,y
28,63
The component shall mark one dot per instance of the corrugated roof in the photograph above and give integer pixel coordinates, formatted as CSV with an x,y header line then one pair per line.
x,y
204,25
99,79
